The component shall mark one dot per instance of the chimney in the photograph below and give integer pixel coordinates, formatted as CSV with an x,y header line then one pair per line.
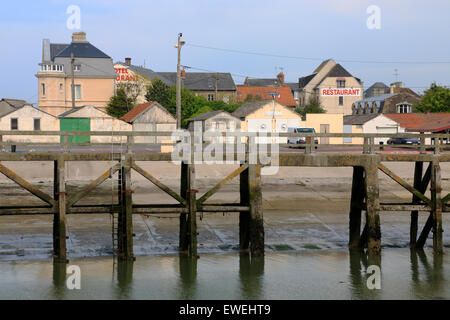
x,y
395,86
128,61
46,50
183,73
79,37
280,77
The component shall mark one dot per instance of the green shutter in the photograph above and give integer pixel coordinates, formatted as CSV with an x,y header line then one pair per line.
x,y
76,124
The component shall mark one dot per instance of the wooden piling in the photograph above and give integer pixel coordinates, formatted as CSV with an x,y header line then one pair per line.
x,y
184,186
373,208
126,214
356,206
191,197
436,207
418,170
256,211
59,220
244,217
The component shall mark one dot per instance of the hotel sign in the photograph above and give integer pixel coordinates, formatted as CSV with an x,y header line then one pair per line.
x,y
347,92
123,75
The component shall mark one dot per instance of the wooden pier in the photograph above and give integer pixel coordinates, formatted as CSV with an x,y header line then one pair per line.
x,y
364,195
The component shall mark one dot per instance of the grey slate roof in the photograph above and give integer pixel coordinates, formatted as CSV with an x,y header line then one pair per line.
x,y
338,71
303,81
82,50
376,85
249,107
359,119
16,103
263,83
206,115
376,98
202,81
56,48
149,74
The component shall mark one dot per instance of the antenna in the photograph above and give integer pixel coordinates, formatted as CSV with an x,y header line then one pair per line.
x,y
396,75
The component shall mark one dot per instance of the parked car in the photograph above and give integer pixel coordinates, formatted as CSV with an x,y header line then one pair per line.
x,y
301,140
403,141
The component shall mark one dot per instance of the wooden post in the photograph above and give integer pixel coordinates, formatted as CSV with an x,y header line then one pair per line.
x,y
373,208
244,217
366,145
183,236
356,206
126,214
308,144
418,170
437,207
192,217
59,220
256,211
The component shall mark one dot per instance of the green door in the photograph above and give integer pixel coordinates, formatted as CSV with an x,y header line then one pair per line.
x,y
76,124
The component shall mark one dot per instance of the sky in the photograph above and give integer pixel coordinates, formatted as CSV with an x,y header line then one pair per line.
x,y
292,36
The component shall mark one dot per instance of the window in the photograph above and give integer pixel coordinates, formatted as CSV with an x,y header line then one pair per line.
x,y
43,88
404,108
14,124
296,93
78,92
341,101
77,67
60,86
340,83
37,124
210,97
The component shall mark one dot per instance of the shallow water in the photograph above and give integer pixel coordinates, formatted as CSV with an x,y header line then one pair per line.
x,y
311,274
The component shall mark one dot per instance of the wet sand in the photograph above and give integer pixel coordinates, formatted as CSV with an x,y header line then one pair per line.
x,y
304,209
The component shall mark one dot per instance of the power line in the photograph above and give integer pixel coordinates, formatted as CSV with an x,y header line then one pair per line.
x,y
314,59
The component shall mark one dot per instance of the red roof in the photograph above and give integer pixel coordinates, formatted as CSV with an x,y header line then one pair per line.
x,y
422,122
285,94
133,113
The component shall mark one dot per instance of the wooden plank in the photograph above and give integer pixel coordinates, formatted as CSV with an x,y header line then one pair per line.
x,y
404,184
356,206
404,207
26,185
126,215
158,183
216,188
83,192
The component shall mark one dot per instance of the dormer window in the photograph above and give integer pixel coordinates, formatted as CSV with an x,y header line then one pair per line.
x,y
404,108
77,67
340,83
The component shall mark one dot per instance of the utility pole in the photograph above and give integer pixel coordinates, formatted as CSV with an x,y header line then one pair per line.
x,y
179,44
72,62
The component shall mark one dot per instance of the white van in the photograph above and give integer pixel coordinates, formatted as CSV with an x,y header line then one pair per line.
x,y
298,140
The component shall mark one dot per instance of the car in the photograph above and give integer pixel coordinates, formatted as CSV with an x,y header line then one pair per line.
x,y
403,141
301,140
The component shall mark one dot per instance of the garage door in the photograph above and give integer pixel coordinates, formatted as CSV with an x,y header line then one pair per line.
x,y
76,124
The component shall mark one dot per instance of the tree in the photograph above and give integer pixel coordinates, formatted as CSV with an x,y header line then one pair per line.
x,y
313,106
119,104
435,99
158,91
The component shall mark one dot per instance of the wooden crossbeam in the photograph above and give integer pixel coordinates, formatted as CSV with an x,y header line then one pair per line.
x,y
216,188
80,194
26,185
158,183
445,199
404,184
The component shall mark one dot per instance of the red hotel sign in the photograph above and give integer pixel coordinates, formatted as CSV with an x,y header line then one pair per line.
x,y
123,75
349,92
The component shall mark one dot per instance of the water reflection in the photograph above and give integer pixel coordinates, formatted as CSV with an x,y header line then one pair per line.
x,y
427,278
359,262
251,271
59,279
124,279
188,277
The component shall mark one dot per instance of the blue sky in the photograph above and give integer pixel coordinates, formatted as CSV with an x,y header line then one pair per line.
x,y
147,30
